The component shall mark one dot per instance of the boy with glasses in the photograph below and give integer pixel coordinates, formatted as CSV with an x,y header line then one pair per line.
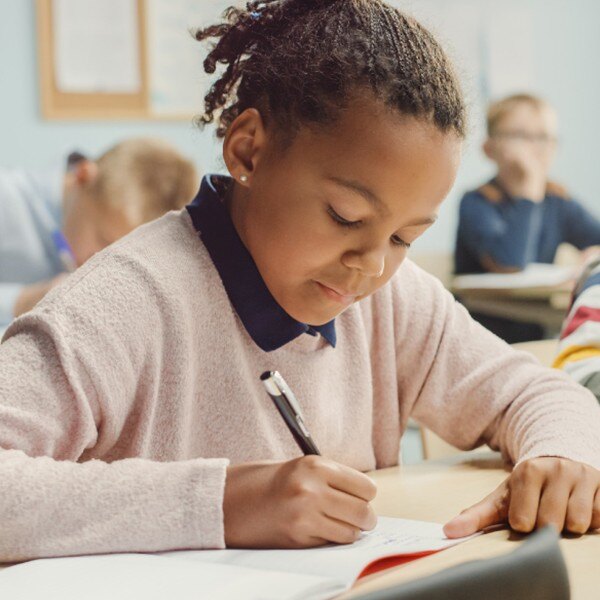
x,y
519,217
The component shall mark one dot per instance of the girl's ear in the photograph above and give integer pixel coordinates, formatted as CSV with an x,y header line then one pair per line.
x,y
244,145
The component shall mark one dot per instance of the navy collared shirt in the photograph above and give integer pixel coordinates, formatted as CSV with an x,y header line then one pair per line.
x,y
264,319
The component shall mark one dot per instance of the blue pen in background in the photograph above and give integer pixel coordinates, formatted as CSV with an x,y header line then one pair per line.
x,y
64,251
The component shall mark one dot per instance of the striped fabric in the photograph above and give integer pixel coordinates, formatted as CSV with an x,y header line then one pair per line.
x,y
579,347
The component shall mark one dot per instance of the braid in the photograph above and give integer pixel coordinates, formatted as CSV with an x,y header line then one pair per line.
x,y
300,61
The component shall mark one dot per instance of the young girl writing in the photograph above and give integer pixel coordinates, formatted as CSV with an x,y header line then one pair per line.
x,y
132,413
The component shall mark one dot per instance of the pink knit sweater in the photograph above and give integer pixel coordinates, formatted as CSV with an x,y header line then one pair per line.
x,y
125,393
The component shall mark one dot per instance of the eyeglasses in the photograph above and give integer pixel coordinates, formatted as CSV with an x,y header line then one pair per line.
x,y
541,139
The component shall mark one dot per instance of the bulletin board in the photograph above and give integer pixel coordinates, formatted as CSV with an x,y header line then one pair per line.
x,y
122,59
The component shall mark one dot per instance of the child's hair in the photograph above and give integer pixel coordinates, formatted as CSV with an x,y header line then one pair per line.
x,y
500,108
144,177
300,61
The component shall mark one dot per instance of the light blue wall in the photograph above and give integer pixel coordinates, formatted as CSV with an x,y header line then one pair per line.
x,y
566,59
27,140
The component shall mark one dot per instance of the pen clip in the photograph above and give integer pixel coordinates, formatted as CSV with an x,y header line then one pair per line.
x,y
287,392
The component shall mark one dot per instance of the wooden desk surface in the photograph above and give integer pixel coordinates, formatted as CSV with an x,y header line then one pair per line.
x,y
545,306
558,295
548,312
436,491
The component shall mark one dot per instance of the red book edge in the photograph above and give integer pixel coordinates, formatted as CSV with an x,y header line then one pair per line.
x,y
386,562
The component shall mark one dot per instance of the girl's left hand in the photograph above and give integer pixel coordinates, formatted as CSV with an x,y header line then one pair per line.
x,y
540,491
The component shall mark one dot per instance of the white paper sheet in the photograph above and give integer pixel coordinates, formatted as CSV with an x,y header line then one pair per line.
x,y
152,577
96,46
308,574
535,275
342,562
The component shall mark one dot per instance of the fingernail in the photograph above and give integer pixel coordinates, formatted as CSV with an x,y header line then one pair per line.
x,y
457,527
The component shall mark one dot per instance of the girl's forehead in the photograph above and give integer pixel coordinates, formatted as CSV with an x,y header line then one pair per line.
x,y
379,142
392,157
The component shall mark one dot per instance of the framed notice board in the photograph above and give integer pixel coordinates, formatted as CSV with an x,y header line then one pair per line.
x,y
122,59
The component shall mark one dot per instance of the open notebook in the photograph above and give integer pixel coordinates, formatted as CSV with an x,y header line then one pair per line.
x,y
308,574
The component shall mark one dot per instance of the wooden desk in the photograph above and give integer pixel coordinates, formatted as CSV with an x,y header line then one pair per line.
x,y
544,350
545,306
437,491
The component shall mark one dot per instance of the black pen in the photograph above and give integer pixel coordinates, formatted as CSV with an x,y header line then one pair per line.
x,y
289,409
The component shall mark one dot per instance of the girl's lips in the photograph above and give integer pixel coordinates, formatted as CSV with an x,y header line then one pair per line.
x,y
337,295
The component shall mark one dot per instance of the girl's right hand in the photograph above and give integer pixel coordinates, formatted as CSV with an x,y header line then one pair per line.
x,y
308,501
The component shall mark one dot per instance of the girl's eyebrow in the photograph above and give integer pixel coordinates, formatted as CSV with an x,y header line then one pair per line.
x,y
355,186
424,221
373,199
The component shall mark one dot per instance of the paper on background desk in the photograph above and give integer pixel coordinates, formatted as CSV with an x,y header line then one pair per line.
x,y
535,275
308,574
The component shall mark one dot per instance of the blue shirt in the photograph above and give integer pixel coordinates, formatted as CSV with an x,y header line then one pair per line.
x,y
514,232
264,319
30,213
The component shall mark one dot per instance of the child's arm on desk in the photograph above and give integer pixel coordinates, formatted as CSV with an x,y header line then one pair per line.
x,y
470,388
68,386
52,505
80,377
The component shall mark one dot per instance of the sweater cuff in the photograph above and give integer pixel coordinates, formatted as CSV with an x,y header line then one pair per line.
x,y
205,518
564,449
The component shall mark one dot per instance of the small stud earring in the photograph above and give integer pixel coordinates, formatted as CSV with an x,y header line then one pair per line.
x,y
244,178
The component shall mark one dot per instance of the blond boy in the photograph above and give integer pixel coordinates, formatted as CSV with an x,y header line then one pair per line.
x,y
519,216
53,222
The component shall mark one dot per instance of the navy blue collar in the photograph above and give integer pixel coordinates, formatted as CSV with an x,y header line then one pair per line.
x,y
267,323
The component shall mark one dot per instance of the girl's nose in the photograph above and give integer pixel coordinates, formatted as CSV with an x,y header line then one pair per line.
x,y
371,263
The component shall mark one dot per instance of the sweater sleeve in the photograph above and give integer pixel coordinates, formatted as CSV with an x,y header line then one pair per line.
x,y
59,378
582,228
470,387
504,236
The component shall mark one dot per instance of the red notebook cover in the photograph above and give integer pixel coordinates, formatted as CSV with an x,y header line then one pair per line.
x,y
392,561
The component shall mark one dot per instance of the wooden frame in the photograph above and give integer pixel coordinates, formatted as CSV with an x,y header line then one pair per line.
x,y
61,105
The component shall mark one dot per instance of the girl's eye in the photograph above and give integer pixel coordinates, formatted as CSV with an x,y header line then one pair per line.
x,y
399,242
396,241
340,220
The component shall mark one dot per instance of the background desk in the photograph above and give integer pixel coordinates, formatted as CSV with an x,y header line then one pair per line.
x,y
437,491
544,306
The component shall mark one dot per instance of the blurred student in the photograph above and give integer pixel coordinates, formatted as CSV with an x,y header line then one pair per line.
x,y
53,221
579,347
519,217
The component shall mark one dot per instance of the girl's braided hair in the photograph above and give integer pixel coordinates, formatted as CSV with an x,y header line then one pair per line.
x,y
300,61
